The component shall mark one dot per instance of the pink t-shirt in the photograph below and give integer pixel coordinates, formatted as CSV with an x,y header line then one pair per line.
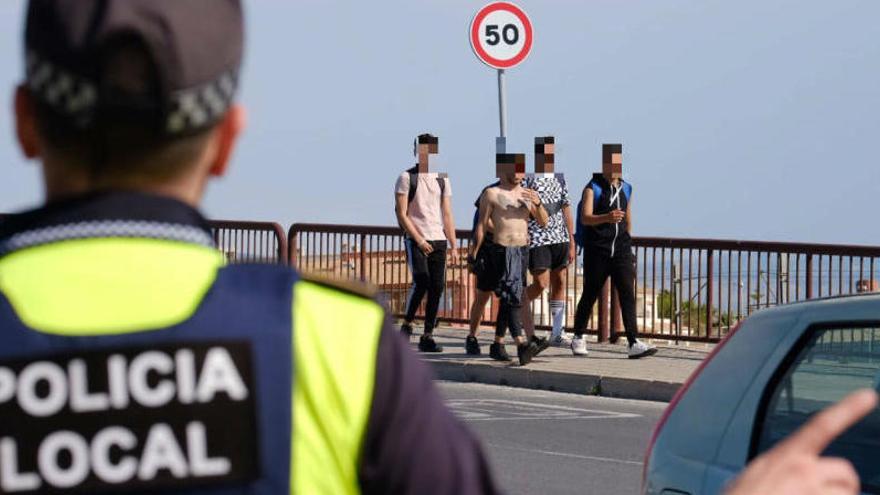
x,y
425,211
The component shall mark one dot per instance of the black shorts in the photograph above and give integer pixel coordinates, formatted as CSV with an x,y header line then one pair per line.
x,y
491,263
549,257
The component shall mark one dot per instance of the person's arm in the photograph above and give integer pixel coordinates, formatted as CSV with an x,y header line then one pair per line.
x,y
587,217
795,466
449,225
569,224
536,207
414,444
629,217
402,204
539,213
485,215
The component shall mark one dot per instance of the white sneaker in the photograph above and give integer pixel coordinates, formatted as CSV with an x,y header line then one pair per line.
x,y
579,346
640,349
561,340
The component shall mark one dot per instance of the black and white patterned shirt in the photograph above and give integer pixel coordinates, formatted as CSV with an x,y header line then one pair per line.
x,y
554,194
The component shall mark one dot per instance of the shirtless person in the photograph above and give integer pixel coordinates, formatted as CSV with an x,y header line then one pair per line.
x,y
485,288
508,207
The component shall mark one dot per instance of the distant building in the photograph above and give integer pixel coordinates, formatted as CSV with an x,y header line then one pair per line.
x,y
869,285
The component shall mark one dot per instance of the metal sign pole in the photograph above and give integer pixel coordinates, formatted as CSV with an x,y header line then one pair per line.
x,y
502,21
501,141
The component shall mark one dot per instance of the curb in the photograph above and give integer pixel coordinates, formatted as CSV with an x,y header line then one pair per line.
x,y
555,381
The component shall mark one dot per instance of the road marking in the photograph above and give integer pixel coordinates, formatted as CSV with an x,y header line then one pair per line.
x,y
565,454
511,410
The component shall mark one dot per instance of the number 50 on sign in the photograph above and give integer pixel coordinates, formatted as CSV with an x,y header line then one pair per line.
x,y
501,35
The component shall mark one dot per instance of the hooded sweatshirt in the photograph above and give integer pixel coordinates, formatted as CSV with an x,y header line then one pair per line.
x,y
608,238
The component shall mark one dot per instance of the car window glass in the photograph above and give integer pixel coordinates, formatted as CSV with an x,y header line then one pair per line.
x,y
833,363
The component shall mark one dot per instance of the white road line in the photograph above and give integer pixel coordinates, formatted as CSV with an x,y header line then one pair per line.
x,y
564,454
508,410
535,418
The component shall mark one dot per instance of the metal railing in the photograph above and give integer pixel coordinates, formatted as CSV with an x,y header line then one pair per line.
x,y
242,241
701,287
250,242
378,255
686,289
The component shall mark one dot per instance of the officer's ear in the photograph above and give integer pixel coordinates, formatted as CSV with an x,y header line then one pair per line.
x,y
26,123
227,133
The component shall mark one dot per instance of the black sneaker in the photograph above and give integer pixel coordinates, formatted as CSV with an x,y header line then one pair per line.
x,y
526,351
427,344
406,329
541,343
498,352
471,346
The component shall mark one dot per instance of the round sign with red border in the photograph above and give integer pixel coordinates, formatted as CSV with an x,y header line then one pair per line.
x,y
501,35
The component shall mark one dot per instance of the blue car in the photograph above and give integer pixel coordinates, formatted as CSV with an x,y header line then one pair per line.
x,y
771,373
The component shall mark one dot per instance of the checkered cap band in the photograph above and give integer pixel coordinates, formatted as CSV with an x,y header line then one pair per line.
x,y
68,94
77,98
195,108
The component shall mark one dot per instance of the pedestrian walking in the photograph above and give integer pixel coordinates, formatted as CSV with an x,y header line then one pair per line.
x,y
605,217
508,206
551,248
423,205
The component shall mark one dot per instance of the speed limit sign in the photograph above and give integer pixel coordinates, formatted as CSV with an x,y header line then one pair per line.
x,y
501,35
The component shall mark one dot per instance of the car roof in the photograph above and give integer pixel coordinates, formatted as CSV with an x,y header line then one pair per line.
x,y
848,297
837,301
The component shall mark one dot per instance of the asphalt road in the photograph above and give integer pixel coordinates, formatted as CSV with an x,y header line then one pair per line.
x,y
552,443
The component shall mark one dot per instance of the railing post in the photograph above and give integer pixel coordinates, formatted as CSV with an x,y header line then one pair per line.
x,y
676,300
292,243
710,281
281,239
809,276
603,312
363,273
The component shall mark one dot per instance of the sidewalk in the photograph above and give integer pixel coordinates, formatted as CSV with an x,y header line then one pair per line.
x,y
606,371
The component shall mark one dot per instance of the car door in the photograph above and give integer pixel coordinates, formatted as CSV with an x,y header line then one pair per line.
x,y
827,362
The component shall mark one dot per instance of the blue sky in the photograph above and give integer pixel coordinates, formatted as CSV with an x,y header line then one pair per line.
x,y
748,120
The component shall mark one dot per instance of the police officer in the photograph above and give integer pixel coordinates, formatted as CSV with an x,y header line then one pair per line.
x,y
132,358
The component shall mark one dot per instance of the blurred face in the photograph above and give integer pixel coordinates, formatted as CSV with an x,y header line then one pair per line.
x,y
544,160
429,148
510,173
613,170
424,150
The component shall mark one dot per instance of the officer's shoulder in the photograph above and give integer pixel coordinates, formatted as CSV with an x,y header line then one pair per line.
x,y
351,287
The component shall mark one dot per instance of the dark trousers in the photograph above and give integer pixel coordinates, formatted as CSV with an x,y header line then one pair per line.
x,y
597,268
429,276
509,316
510,277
